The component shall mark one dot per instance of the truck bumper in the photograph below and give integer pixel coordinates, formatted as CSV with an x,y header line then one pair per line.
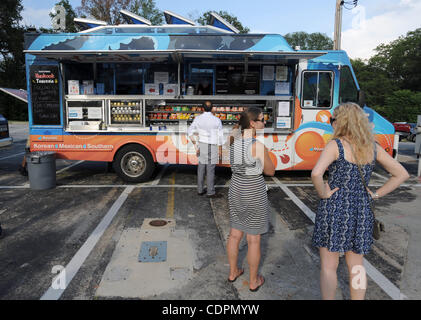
x,y
6,142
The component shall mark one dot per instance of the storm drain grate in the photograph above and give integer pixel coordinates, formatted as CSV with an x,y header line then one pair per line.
x,y
158,223
153,251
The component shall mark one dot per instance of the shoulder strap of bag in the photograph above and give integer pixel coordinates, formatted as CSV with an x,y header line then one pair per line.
x,y
362,178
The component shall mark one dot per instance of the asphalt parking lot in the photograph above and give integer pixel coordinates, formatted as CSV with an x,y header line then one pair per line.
x,y
93,224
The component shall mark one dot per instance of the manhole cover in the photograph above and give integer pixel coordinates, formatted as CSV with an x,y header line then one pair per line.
x,y
158,223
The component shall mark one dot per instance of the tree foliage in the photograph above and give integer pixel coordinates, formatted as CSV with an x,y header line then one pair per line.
x,y
109,10
148,10
391,78
10,16
205,18
12,62
104,10
309,41
402,105
374,81
401,59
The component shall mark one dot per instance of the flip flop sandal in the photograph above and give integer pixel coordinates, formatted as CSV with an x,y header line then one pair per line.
x,y
258,287
240,274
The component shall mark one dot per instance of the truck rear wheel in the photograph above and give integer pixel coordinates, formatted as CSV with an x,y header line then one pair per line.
x,y
134,163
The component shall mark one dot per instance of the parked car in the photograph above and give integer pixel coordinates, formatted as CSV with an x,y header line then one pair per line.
x,y
403,129
413,133
5,139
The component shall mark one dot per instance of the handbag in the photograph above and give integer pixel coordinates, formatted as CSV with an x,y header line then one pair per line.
x,y
378,226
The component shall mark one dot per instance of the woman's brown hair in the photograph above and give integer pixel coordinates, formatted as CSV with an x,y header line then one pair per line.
x,y
250,114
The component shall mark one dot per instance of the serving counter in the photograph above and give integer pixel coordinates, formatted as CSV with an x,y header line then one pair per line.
x,y
140,113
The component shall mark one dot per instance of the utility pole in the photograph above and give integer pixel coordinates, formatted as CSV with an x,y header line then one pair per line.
x,y
338,25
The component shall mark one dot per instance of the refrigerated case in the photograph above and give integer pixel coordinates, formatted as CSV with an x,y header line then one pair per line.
x,y
103,113
127,112
174,112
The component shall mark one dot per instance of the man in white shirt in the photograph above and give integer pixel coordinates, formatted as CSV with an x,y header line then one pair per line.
x,y
208,129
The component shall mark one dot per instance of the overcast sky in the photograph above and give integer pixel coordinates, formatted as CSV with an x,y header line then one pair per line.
x,y
373,22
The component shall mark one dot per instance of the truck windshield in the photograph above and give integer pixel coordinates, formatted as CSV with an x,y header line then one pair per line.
x,y
348,91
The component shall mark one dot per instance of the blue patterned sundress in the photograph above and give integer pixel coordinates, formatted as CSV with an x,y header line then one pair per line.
x,y
344,222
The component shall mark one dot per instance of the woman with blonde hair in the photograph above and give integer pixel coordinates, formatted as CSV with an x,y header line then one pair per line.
x,y
344,220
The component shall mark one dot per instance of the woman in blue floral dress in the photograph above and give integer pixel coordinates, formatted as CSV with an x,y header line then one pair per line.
x,y
344,220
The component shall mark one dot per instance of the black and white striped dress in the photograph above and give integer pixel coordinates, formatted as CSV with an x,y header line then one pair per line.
x,y
247,196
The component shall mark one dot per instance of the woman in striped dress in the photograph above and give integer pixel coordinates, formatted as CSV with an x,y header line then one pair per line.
x,y
247,197
344,220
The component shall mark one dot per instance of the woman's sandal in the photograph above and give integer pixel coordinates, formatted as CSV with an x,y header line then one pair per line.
x,y
258,287
240,274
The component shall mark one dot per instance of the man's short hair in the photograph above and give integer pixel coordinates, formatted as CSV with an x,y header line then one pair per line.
x,y
207,106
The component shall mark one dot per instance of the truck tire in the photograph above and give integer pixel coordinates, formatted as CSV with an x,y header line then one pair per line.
x,y
134,163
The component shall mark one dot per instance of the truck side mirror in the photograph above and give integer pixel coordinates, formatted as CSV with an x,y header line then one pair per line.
x,y
361,98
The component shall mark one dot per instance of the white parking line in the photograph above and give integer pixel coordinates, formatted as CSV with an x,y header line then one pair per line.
x,y
68,167
388,287
147,185
79,258
26,185
15,155
307,211
380,176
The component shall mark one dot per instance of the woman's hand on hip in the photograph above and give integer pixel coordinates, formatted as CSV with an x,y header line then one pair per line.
x,y
328,192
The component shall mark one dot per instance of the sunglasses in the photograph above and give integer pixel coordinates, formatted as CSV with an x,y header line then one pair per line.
x,y
332,120
262,120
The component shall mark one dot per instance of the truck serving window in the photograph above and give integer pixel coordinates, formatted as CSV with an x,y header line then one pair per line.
x,y
317,89
348,90
128,78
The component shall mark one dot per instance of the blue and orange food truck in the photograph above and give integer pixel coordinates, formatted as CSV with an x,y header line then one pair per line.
x,y
126,94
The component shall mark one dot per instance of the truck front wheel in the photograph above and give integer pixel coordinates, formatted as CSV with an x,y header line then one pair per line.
x,y
134,163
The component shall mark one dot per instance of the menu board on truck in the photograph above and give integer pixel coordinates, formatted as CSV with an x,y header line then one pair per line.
x,y
45,95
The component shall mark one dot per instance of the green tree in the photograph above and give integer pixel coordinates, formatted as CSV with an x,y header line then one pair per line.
x,y
391,78
374,81
148,10
402,105
10,16
104,10
205,18
70,15
401,60
12,61
309,41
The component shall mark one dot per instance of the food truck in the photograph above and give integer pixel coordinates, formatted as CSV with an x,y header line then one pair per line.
x,y
126,94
